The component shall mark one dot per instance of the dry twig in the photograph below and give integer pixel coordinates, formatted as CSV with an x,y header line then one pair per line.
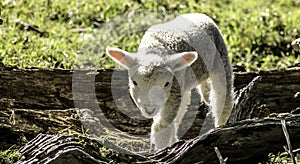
x,y
287,137
219,155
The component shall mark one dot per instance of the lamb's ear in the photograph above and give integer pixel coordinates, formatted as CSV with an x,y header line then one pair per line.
x,y
120,56
182,60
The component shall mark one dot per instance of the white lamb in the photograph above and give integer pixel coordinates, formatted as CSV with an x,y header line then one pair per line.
x,y
172,59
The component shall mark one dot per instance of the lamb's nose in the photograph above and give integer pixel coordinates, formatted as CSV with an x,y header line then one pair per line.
x,y
149,110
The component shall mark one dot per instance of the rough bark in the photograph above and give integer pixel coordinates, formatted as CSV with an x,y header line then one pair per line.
x,y
74,149
24,124
247,141
49,101
44,89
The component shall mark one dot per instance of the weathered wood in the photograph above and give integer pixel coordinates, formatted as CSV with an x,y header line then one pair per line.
x,y
246,141
17,124
275,91
73,149
36,90
247,104
25,124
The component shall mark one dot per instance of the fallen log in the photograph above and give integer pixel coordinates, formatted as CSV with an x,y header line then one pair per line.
x,y
16,124
60,97
73,149
25,124
247,141
276,92
244,141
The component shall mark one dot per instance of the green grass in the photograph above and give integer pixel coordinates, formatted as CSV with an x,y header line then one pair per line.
x,y
9,156
283,157
258,33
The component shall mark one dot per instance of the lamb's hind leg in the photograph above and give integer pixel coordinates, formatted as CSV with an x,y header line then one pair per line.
x,y
204,90
220,95
185,101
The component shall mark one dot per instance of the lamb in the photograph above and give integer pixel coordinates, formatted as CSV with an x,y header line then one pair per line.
x,y
172,59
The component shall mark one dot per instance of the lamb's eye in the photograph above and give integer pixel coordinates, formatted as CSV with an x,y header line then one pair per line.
x,y
167,84
134,83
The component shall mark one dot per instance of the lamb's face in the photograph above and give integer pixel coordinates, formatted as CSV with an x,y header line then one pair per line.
x,y
151,76
150,88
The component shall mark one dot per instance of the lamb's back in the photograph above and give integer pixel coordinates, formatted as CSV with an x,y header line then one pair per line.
x,y
177,35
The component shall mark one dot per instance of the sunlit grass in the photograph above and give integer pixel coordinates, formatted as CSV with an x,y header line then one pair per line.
x,y
9,156
258,33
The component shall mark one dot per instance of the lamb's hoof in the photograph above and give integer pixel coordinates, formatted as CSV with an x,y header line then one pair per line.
x,y
152,149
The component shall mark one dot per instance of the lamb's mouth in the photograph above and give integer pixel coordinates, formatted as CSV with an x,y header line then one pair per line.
x,y
150,112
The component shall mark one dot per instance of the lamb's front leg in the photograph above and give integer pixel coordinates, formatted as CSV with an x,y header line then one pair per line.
x,y
163,130
162,133
185,101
